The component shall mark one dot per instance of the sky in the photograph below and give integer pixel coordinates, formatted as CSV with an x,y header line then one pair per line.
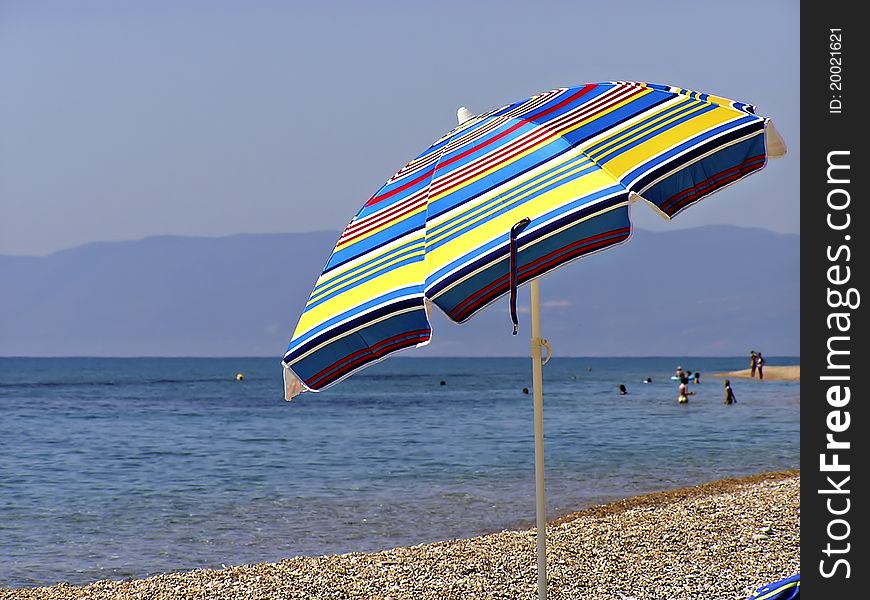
x,y
124,120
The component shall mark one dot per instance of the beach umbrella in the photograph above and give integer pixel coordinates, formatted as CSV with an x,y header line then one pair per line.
x,y
504,198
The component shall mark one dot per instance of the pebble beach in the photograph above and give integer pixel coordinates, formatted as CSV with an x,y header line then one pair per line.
x,y
718,540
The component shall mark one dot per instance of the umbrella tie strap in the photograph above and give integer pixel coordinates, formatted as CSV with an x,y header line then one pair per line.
x,y
515,231
546,344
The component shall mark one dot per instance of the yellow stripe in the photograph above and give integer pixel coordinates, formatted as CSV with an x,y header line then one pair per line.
x,y
544,142
664,122
380,228
720,101
632,158
491,229
407,275
632,130
528,183
660,127
360,273
331,279
515,197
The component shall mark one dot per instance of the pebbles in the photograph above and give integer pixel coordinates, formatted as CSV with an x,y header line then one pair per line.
x,y
719,540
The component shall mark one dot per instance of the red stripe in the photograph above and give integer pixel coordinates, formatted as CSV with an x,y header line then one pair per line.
x,y
375,199
346,239
482,130
585,250
711,184
498,283
728,171
502,155
379,350
381,215
553,128
498,286
542,268
527,106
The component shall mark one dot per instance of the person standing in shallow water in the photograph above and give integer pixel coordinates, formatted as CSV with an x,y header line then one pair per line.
x,y
684,392
753,363
729,393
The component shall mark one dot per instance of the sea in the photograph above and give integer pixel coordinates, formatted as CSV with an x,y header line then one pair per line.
x,y
116,468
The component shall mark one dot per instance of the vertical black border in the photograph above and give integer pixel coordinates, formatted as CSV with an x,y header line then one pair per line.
x,y
826,79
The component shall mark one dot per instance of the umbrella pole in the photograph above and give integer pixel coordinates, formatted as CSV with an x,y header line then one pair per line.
x,y
538,391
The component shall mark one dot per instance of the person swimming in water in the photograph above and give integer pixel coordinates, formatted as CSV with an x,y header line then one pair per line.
x,y
622,390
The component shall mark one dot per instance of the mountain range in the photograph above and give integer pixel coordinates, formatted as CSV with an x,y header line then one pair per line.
x,y
706,291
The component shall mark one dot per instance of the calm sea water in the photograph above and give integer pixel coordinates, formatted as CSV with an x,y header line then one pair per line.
x,y
117,468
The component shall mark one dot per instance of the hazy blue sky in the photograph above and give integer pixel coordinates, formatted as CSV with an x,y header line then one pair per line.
x,y
121,120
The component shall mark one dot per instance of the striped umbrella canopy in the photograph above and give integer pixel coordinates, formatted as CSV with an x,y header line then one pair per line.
x,y
570,160
504,198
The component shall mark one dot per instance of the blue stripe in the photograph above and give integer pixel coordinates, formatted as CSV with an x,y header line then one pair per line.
x,y
386,188
510,205
697,140
406,227
336,354
485,145
403,250
531,248
709,169
484,119
601,123
652,121
530,122
502,240
373,275
517,168
414,290
655,133
520,188
536,114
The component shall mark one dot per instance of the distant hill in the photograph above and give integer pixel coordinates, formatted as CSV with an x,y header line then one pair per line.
x,y
713,290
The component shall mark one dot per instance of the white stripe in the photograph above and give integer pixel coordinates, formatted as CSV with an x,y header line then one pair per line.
x,y
375,219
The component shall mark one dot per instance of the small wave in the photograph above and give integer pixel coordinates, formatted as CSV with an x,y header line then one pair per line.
x,y
126,382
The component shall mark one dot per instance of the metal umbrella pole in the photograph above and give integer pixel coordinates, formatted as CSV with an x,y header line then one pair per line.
x,y
538,362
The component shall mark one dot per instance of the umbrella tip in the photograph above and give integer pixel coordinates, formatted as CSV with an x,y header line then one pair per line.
x,y
463,114
776,146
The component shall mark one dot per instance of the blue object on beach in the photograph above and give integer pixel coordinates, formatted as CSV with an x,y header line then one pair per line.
x,y
784,589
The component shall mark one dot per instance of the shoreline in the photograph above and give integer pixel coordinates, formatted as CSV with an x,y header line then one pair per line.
x,y
773,373
721,539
